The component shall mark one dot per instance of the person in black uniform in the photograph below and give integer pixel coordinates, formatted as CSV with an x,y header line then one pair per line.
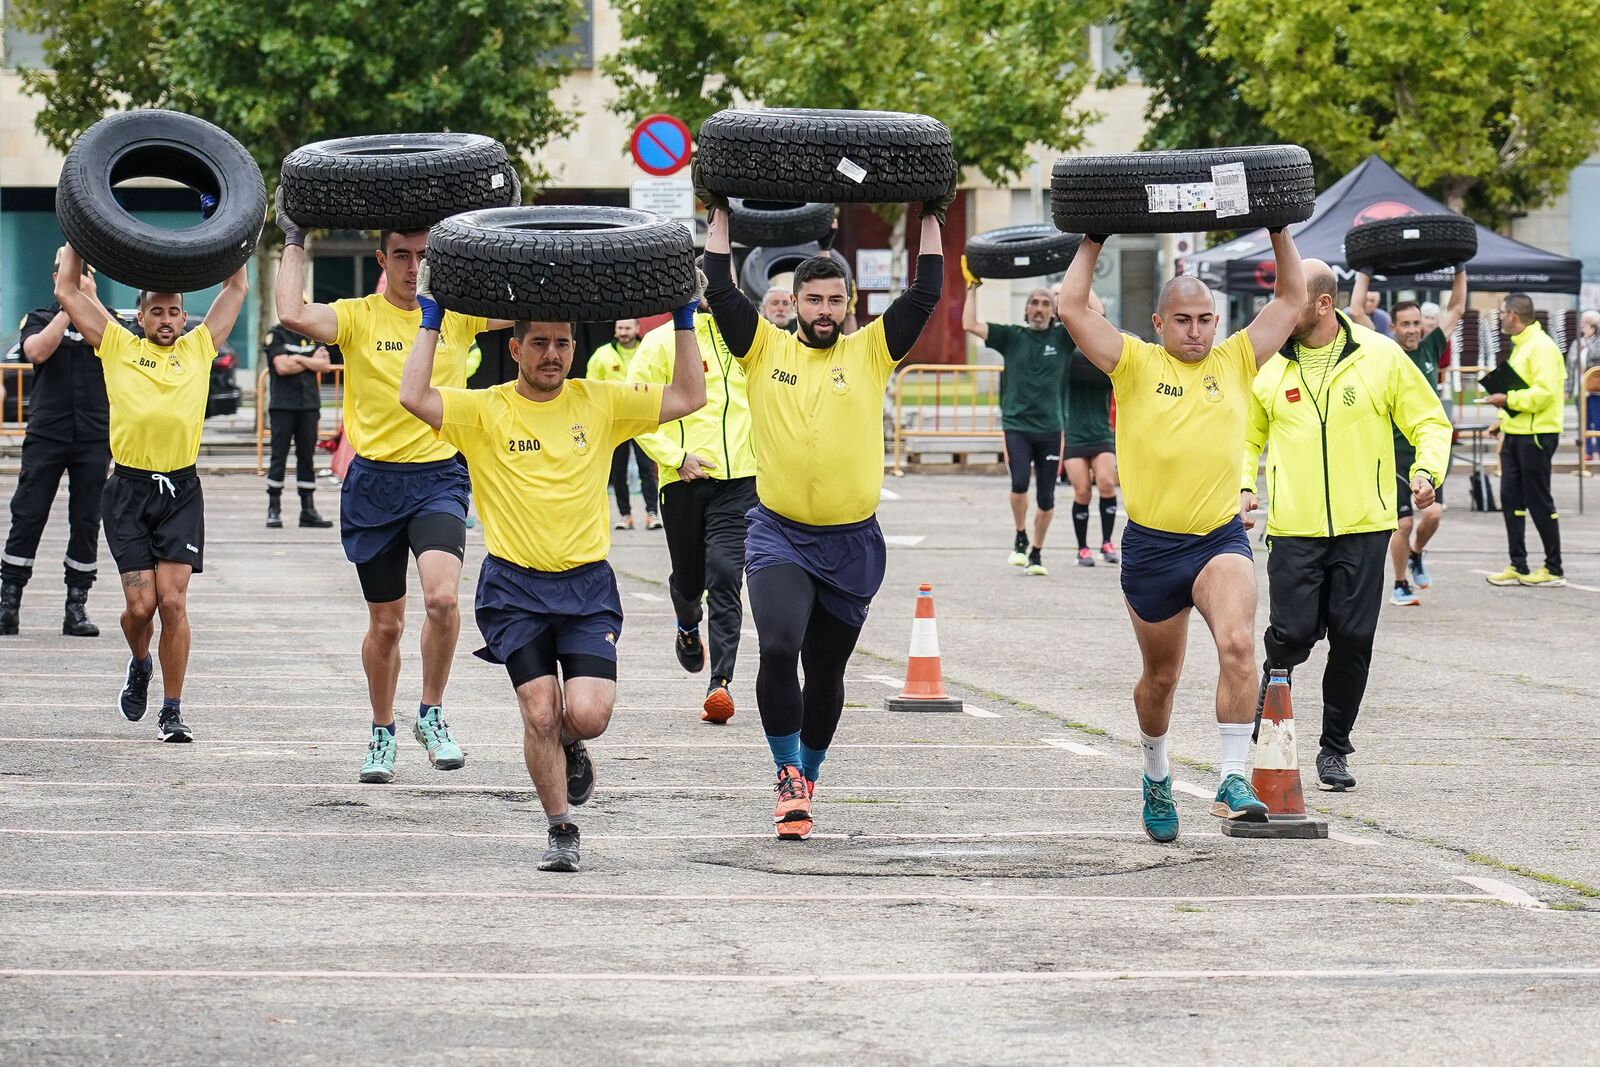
x,y
68,431
293,363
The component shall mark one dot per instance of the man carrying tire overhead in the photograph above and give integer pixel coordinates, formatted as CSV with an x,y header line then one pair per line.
x,y
610,363
153,508
1181,408
708,486
814,555
539,449
406,490
1426,347
1324,407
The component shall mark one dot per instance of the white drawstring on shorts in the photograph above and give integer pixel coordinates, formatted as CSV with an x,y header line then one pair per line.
x,y
164,485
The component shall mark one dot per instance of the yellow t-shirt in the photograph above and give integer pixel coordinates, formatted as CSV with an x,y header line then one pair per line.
x,y
818,418
1180,433
376,337
539,470
158,396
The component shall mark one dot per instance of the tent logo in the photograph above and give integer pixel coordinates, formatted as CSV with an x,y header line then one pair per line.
x,y
1383,209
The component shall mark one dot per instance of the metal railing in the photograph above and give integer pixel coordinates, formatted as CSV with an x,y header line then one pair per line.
x,y
11,424
954,408
264,432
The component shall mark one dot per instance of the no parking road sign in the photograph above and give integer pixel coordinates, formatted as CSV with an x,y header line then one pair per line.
x,y
661,145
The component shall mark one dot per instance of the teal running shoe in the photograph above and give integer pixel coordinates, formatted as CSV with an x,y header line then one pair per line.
x,y
433,733
1160,813
1236,799
379,765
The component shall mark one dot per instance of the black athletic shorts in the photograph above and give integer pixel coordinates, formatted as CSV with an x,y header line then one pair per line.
x,y
1403,508
383,577
1037,452
154,516
1091,451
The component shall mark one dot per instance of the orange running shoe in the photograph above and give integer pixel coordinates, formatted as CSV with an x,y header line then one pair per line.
x,y
718,707
792,815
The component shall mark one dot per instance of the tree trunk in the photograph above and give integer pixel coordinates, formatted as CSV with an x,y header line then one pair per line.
x,y
1454,191
266,264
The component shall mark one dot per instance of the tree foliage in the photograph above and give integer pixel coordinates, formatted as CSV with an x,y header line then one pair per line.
x,y
1488,104
1002,74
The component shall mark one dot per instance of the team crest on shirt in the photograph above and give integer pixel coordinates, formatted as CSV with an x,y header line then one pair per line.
x,y
840,386
580,438
174,365
1349,396
1212,388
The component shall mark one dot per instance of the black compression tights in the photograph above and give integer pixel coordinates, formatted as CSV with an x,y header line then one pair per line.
x,y
795,631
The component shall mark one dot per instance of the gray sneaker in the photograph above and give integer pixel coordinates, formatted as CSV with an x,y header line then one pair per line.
x,y
562,855
1333,774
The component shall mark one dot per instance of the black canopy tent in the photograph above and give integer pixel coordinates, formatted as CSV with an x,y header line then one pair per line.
x,y
1375,190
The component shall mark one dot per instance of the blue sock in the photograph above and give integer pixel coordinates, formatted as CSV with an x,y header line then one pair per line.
x,y
811,760
424,707
785,749
171,703
390,728
146,664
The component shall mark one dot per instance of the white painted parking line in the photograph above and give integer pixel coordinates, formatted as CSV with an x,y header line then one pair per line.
x,y
473,835
888,494
1510,894
884,679
608,746
1194,790
979,713
685,787
902,540
1072,746
1349,839
650,597
1358,974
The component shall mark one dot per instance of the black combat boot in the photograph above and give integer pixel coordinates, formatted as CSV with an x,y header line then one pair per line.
x,y
76,623
308,513
10,606
274,510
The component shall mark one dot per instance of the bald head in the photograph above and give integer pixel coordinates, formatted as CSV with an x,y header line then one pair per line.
x,y
1322,293
1320,280
1184,289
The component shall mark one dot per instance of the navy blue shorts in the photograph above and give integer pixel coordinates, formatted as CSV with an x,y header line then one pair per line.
x,y
1159,568
532,620
379,499
846,561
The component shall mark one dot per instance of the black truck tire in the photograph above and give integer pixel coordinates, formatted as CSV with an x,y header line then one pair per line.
x,y
397,181
1021,251
1159,192
161,144
761,264
772,222
561,264
1411,244
797,155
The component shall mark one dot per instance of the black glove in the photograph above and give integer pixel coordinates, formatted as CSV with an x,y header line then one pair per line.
x,y
938,205
1275,230
1099,238
712,201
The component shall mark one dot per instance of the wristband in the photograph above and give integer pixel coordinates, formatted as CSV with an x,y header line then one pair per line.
x,y
683,318
432,313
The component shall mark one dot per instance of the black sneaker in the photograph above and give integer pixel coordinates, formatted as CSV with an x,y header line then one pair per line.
x,y
562,853
172,728
135,691
691,650
580,774
1333,774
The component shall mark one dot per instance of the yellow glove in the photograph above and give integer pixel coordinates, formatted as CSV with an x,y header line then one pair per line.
x,y
973,281
850,305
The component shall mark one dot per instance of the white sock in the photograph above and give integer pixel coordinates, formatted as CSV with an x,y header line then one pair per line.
x,y
1235,747
1155,756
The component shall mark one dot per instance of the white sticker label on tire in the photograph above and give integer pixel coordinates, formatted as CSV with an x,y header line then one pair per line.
x,y
1233,192
1020,261
1183,196
1410,235
497,181
852,170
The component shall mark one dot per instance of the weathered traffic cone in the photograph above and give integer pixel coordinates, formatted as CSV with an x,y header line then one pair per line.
x,y
1276,773
924,688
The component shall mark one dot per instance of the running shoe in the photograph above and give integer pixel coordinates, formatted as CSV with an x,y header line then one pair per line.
x,y
1108,552
718,707
379,765
1160,813
433,733
172,729
1085,558
1036,563
580,773
561,854
624,523
1333,773
1019,550
1543,577
1419,571
792,815
1404,596
135,691
652,521
1509,576
1236,799
691,650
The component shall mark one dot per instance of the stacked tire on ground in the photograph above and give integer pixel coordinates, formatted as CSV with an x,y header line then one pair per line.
x,y
153,143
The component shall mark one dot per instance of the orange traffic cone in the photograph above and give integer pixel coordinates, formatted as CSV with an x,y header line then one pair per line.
x,y
924,688
1276,773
